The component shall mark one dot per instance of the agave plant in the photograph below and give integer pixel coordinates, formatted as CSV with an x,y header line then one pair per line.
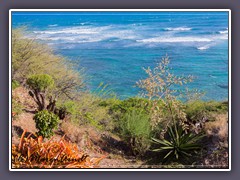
x,y
34,153
178,143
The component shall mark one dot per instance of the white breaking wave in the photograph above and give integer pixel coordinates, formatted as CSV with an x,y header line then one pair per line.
x,y
88,34
187,39
222,37
84,34
71,39
203,47
175,39
178,29
223,32
69,31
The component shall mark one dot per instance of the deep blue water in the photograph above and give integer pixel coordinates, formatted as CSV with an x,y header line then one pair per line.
x,y
113,47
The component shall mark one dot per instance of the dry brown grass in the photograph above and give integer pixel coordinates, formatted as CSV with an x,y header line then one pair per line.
x,y
23,97
84,136
15,136
25,121
217,151
72,131
219,127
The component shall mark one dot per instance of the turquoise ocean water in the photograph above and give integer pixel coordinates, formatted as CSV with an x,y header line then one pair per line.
x,y
113,47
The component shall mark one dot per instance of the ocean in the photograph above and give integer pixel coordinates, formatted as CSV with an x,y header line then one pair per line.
x,y
114,47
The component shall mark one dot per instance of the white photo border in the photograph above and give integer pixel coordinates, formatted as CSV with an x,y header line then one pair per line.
x,y
119,10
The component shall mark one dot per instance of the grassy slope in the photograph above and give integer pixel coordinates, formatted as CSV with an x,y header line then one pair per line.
x,y
88,138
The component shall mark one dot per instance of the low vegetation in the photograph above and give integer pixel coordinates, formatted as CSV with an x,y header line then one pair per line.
x,y
157,127
34,153
46,122
17,108
135,129
178,145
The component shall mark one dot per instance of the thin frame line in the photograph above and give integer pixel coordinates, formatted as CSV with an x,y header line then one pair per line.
x,y
117,10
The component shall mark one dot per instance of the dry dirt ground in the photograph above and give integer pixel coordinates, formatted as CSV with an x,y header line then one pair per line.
x,y
88,139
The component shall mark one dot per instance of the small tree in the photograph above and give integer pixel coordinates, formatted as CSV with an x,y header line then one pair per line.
x,y
39,85
160,87
29,57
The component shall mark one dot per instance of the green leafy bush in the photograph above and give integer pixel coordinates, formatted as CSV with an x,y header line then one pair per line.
x,y
136,102
130,104
15,84
86,111
198,110
46,122
135,129
117,109
178,144
70,108
40,82
110,102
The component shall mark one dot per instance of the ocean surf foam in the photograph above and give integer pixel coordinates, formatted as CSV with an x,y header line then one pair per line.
x,y
178,29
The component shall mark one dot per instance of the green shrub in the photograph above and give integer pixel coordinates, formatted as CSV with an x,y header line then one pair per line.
x,y
94,113
16,108
15,84
109,102
92,121
135,102
46,122
198,110
132,103
40,82
135,129
87,111
117,109
177,144
71,108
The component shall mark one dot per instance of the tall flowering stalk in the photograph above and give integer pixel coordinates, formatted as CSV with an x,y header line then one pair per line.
x,y
160,88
